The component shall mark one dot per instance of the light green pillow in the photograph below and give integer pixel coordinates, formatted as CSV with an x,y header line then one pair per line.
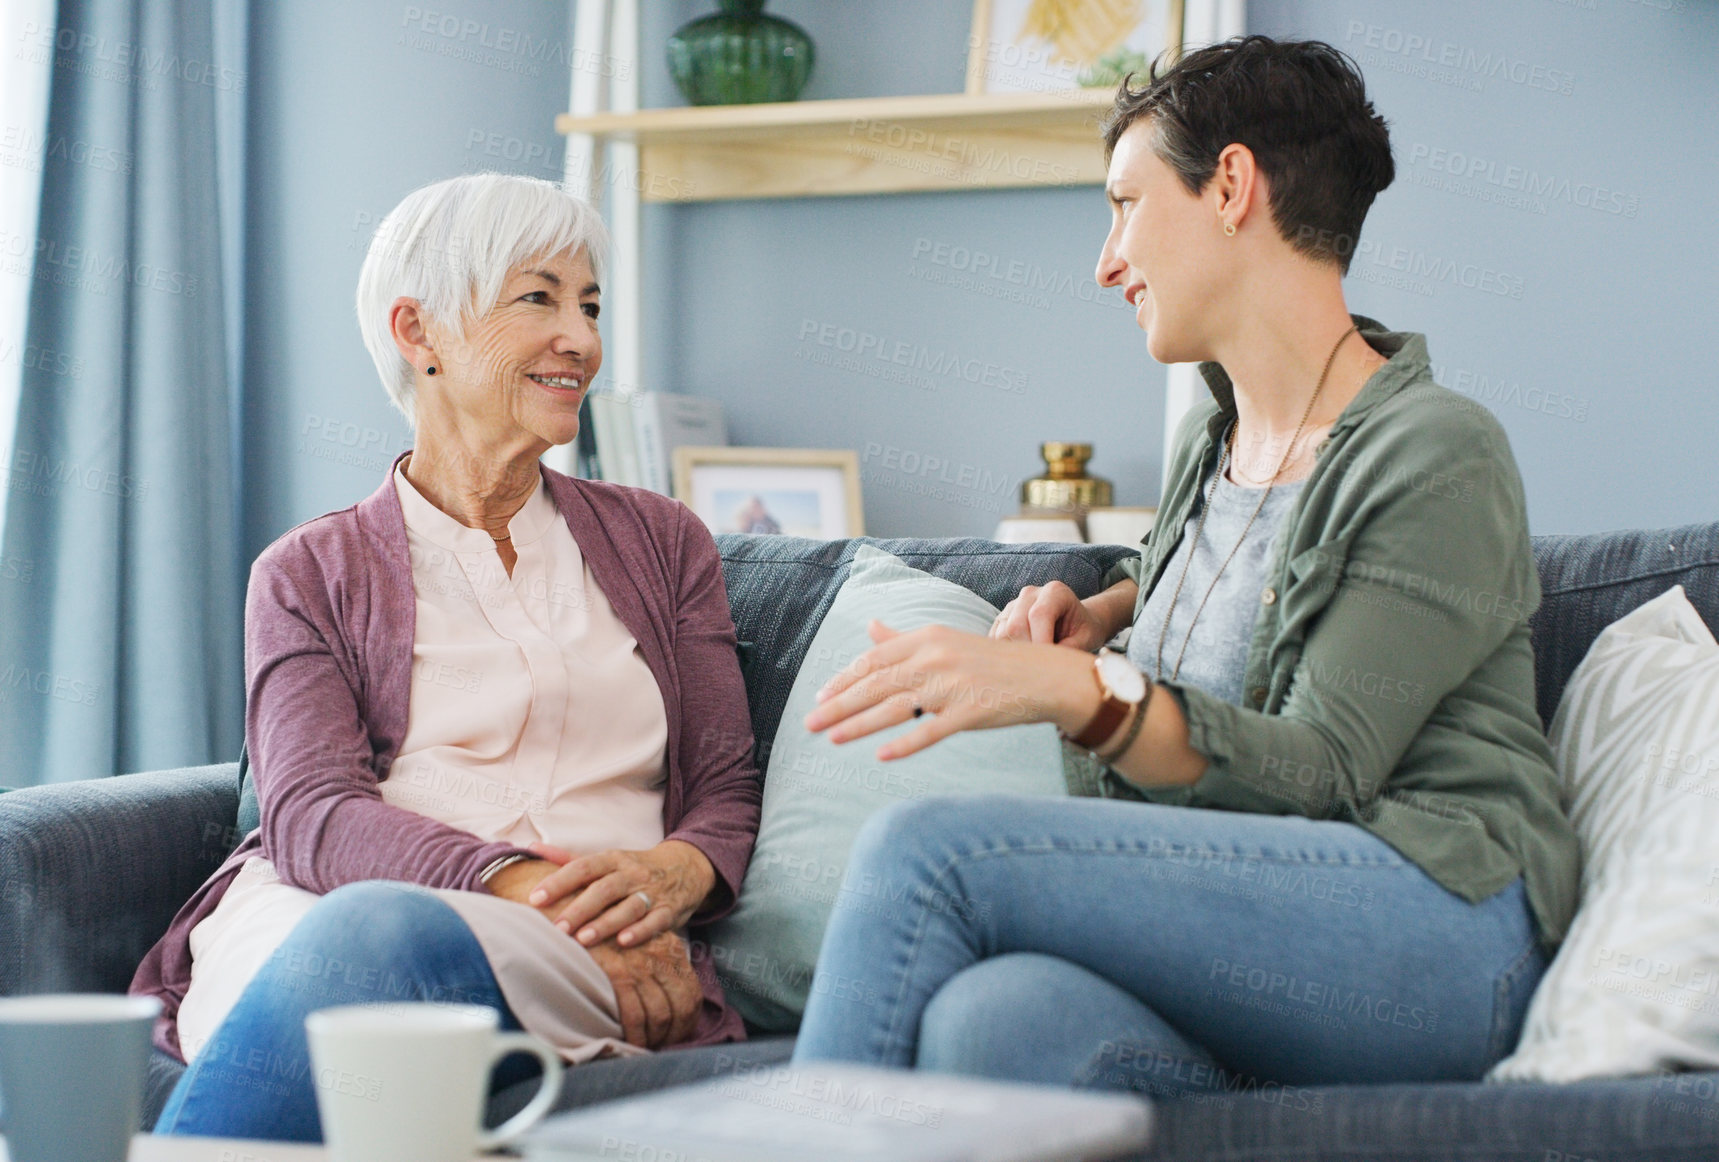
x,y
817,794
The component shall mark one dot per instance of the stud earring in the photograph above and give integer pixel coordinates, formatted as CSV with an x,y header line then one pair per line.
x,y
1229,229
430,370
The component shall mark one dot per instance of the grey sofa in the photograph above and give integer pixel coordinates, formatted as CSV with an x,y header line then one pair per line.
x,y
91,873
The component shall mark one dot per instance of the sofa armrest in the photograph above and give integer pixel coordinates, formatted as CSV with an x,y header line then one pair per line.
x,y
91,873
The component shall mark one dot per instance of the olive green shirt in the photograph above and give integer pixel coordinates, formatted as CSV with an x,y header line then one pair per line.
x,y
1390,679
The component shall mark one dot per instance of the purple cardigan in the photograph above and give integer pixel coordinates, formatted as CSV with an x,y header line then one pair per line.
x,y
329,622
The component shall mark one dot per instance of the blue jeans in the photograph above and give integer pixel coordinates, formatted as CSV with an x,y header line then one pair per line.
x,y
364,943
1114,945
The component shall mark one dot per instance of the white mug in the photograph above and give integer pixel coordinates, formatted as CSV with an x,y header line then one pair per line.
x,y
407,1082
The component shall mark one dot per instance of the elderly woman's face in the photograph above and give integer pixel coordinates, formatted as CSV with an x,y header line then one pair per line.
x,y
1164,248
526,363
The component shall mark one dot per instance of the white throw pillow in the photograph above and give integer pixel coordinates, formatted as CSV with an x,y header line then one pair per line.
x,y
1635,987
817,794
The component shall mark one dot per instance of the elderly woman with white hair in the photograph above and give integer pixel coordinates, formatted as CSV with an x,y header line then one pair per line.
x,y
495,714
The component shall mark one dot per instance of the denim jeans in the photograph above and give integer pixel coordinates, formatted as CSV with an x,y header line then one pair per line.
x,y
364,943
1104,944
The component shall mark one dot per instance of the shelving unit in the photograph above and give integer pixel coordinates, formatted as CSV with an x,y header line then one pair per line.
x,y
873,145
882,145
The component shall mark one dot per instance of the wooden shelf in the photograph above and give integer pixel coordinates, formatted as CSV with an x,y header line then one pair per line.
x,y
871,145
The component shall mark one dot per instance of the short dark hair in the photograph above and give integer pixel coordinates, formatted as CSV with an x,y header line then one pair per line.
x,y
1299,105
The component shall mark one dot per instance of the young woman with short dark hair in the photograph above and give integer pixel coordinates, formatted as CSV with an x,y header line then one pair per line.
x,y
1326,844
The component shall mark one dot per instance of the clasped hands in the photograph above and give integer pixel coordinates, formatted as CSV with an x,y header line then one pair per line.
x,y
595,900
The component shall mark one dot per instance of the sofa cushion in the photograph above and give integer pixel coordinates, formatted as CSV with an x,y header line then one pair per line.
x,y
817,794
780,588
1636,739
1589,581
1651,1119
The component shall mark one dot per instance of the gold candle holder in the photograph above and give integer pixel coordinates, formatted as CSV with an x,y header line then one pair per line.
x,y
1066,487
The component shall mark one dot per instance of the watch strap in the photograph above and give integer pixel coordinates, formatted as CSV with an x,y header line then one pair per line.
x,y
1104,723
1133,732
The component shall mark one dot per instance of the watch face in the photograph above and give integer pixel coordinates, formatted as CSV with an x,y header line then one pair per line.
x,y
1120,677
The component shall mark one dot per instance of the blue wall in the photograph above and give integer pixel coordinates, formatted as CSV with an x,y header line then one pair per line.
x,y
354,103
1577,313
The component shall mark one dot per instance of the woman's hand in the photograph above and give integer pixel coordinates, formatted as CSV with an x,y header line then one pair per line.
x,y
517,880
960,681
629,895
656,990
1051,615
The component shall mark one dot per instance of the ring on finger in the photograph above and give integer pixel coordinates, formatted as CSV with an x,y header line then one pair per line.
x,y
646,898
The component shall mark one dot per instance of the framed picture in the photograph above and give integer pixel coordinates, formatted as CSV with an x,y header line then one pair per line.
x,y
1048,46
798,492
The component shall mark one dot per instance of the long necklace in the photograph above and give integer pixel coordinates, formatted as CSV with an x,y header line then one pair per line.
x,y
1229,448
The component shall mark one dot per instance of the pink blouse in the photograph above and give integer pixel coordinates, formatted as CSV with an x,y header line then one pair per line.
x,y
533,715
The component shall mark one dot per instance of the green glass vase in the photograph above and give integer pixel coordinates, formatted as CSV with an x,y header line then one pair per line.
x,y
740,56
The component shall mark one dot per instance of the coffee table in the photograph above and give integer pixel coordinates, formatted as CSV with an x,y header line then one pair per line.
x,y
149,1148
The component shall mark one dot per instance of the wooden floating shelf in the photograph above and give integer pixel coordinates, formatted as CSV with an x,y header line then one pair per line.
x,y
870,145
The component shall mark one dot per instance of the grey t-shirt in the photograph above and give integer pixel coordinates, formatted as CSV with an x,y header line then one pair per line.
x,y
1216,657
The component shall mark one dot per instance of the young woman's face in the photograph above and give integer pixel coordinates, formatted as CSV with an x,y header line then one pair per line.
x,y
527,362
1164,249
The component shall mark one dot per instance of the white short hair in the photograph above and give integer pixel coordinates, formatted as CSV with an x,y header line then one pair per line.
x,y
451,245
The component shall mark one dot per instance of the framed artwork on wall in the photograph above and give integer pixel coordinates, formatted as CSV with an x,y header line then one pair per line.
x,y
1049,46
799,492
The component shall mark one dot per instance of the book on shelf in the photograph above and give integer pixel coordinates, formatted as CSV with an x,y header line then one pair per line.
x,y
617,454
664,421
585,464
638,431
